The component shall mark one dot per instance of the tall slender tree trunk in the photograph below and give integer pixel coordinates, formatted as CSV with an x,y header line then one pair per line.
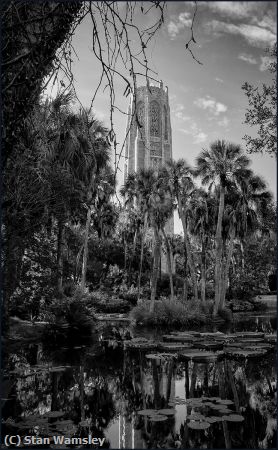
x,y
242,255
60,254
156,257
189,252
142,254
225,277
203,272
85,251
218,251
169,262
185,281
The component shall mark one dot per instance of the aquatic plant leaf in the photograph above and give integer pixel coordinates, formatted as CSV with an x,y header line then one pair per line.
x,y
199,356
54,414
158,418
233,418
166,411
225,411
198,425
214,419
225,402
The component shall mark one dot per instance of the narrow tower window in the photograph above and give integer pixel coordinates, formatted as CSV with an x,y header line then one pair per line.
x,y
154,119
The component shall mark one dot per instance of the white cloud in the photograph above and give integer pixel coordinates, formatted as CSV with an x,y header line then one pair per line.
x,y
247,58
219,80
265,62
200,137
224,122
268,22
193,130
254,35
211,105
179,23
237,10
178,112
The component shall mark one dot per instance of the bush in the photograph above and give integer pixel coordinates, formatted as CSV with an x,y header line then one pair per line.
x,y
226,314
169,312
103,302
163,284
69,319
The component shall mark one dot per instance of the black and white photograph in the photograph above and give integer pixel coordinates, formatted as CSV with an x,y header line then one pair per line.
x,y
139,244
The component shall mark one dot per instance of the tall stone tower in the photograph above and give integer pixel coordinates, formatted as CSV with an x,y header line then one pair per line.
x,y
149,135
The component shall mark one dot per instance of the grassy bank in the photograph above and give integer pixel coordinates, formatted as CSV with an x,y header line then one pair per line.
x,y
176,313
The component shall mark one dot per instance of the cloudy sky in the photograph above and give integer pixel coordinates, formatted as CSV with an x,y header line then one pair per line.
x,y
206,100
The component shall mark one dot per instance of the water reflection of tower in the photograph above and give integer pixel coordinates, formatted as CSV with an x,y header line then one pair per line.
x,y
129,437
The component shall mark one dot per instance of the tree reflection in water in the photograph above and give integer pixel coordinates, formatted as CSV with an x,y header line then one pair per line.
x,y
101,394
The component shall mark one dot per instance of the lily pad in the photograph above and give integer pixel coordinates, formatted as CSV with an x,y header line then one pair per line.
x,y
214,419
166,411
246,353
225,401
158,418
54,414
174,346
198,425
199,356
233,418
209,345
225,411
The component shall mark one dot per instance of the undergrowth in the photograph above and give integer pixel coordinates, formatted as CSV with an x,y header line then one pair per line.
x,y
167,312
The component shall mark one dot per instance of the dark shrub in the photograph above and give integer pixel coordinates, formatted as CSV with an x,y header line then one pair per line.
x,y
130,298
226,314
169,312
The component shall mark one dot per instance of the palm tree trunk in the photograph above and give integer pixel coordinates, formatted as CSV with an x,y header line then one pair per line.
x,y
188,250
225,278
156,257
60,254
85,252
242,255
203,272
142,254
218,251
169,261
185,281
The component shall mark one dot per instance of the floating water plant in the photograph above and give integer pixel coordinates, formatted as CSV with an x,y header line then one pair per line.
x,y
195,425
158,418
233,418
199,356
54,414
224,401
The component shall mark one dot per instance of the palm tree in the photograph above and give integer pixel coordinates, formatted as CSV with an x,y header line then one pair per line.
x,y
181,186
222,164
244,214
201,222
146,189
78,151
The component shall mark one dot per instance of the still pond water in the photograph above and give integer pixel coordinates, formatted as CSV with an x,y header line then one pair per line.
x,y
137,401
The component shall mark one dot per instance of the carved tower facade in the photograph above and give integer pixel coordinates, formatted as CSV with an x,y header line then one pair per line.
x,y
149,136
